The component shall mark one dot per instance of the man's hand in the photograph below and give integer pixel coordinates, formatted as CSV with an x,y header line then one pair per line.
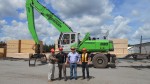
x,y
55,59
79,62
65,63
89,63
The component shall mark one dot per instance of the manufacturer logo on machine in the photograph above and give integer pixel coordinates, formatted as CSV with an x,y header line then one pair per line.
x,y
50,17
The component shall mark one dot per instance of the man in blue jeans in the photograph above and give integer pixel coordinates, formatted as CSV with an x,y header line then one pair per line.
x,y
73,58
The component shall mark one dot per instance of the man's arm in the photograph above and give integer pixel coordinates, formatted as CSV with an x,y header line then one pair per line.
x,y
51,57
56,57
78,58
67,60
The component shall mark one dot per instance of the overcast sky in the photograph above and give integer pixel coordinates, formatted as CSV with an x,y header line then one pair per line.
x,y
123,18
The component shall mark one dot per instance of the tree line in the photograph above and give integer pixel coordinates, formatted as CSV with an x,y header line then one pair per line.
x,y
2,44
47,48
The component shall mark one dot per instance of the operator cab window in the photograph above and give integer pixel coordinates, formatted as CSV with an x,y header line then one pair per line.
x,y
72,38
66,39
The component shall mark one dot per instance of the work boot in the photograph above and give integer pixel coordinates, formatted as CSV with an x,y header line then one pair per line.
x,y
70,78
83,78
88,79
50,81
59,79
65,79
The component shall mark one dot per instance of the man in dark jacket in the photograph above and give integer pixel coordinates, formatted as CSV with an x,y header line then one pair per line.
x,y
61,56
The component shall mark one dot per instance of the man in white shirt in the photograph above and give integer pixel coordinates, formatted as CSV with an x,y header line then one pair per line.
x,y
73,58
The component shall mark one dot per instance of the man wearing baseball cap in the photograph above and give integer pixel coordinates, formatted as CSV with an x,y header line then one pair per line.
x,y
73,58
52,60
61,56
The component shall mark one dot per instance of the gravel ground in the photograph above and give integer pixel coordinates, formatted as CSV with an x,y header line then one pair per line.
x,y
126,72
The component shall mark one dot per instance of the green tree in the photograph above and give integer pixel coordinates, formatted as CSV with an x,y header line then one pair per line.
x,y
2,44
47,48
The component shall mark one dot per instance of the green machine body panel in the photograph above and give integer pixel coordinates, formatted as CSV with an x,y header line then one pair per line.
x,y
97,46
94,45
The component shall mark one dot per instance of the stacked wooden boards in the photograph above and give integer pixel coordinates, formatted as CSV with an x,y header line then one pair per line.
x,y
120,47
28,45
13,46
21,48
2,52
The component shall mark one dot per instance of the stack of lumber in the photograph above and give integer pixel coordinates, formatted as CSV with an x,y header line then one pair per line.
x,y
120,47
13,46
2,52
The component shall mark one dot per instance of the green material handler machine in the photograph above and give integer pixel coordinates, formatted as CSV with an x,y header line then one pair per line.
x,y
98,49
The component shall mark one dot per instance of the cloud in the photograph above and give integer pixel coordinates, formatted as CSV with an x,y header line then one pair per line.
x,y
19,30
3,22
5,39
135,13
137,10
9,8
84,16
78,8
119,28
46,31
142,31
23,15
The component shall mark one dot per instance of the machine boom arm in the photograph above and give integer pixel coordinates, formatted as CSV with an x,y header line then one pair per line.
x,y
53,19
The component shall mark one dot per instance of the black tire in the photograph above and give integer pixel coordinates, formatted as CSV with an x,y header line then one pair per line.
x,y
100,61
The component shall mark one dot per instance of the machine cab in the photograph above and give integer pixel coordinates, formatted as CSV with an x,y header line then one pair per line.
x,y
66,40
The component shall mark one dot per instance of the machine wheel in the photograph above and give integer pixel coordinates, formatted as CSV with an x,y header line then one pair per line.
x,y
100,61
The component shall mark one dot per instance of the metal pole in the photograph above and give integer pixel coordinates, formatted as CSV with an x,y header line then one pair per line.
x,y
140,44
